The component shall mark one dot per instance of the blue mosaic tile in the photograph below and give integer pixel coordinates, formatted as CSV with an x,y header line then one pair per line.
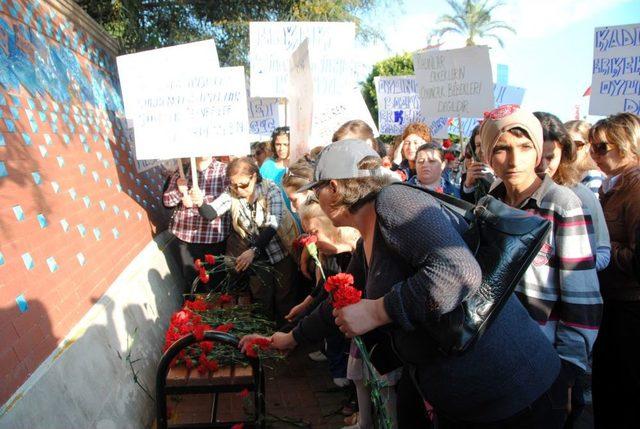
x,y
109,182
34,125
82,230
119,188
73,194
1,259
18,212
47,139
42,221
66,139
72,128
83,169
27,139
105,163
53,265
37,179
55,186
83,138
86,147
55,106
139,216
22,304
43,116
15,113
87,201
96,176
15,100
103,205
65,225
27,259
43,151
126,214
115,233
11,127
97,234
99,156
81,259
116,210
54,128
3,101
60,160
3,170
31,103
54,117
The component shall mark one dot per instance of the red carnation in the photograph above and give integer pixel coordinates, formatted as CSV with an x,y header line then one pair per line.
x,y
225,298
243,393
188,363
225,328
199,330
203,276
210,259
346,295
196,305
198,263
439,190
446,143
309,239
337,281
449,156
257,344
238,426
206,346
181,317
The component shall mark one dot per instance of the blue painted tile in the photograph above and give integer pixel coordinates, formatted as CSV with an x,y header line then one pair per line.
x,y
28,261
116,210
53,265
86,147
54,128
81,259
119,188
109,182
43,117
83,138
60,160
47,139
54,117
83,169
82,230
73,194
99,156
42,221
11,127
96,176
43,151
115,233
27,139
32,104
16,100
55,186
65,225
17,210
2,141
87,201
103,205
66,139
15,113
1,259
126,214
22,304
97,233
3,170
37,179
139,216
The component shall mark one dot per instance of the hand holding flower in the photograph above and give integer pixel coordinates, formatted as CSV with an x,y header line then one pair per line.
x,y
361,317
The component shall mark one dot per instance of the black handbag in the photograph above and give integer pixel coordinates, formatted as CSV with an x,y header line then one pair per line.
x,y
504,241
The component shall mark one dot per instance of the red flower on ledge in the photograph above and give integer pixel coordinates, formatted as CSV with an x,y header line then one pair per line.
x,y
255,345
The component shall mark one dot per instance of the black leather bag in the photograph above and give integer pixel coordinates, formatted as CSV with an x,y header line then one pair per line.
x,y
504,241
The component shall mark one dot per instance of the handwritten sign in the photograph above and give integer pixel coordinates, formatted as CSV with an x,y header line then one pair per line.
x,y
143,164
615,85
454,83
329,115
330,48
300,101
263,117
184,105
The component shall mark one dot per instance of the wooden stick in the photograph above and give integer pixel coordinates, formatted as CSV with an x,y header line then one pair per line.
x,y
194,174
180,168
286,104
462,145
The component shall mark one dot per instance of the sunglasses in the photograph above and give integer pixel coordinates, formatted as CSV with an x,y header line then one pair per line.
x,y
316,189
599,149
237,186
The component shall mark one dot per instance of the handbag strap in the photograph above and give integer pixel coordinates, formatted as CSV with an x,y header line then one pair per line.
x,y
459,206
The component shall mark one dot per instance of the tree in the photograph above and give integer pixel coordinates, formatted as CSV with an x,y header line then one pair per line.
x,y
472,19
398,65
147,24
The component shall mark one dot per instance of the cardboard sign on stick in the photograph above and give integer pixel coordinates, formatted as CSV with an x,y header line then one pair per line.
x,y
330,46
615,84
300,107
263,117
454,83
188,107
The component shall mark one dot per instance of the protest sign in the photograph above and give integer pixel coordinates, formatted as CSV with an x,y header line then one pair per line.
x,y
184,105
329,115
330,48
615,85
300,101
454,83
263,117
398,103
143,164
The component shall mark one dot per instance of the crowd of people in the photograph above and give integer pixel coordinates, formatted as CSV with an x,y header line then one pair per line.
x,y
572,324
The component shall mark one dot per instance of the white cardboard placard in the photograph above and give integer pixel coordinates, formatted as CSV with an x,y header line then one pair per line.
x,y
300,101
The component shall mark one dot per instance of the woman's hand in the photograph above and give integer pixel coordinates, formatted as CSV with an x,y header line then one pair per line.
x,y
283,341
242,345
397,155
295,311
362,317
196,196
244,260
476,171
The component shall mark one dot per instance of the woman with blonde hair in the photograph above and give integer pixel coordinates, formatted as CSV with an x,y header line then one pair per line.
x,y
590,175
615,148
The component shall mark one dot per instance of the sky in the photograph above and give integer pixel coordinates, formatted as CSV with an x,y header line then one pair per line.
x,y
550,56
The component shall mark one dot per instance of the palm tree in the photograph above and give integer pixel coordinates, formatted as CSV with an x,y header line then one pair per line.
x,y
472,19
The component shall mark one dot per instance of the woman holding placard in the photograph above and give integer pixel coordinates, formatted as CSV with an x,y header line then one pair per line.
x,y
262,229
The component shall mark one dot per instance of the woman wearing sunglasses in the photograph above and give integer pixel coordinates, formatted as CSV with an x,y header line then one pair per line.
x,y
262,228
615,148
590,174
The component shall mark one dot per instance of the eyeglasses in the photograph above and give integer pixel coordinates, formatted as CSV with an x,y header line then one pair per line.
x,y
600,149
244,185
316,189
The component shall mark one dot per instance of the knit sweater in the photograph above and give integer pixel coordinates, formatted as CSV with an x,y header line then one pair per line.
x,y
421,268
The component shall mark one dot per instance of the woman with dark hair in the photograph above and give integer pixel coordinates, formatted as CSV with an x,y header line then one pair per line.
x,y
559,162
414,267
478,176
615,147
262,229
430,165
274,168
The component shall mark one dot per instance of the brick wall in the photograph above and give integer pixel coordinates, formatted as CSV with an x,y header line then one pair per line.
x,y
73,209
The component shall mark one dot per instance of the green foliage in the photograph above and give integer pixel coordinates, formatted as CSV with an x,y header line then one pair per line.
x,y
146,24
472,19
399,65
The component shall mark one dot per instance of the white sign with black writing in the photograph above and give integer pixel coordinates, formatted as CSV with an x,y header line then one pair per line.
x,y
330,48
615,85
301,93
454,83
263,117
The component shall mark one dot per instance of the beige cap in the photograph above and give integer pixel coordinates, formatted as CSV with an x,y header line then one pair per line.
x,y
504,118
